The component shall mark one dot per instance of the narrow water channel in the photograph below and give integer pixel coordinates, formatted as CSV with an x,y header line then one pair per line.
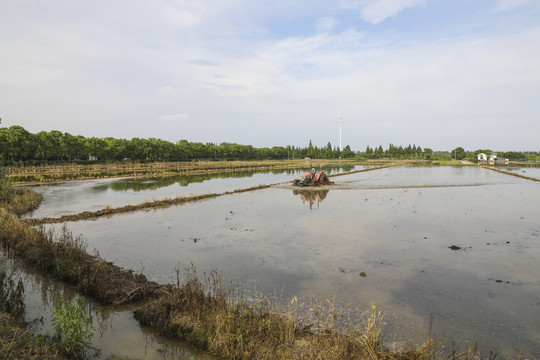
x,y
117,334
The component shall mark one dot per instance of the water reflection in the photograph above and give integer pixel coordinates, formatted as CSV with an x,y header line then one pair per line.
x,y
313,197
185,180
92,195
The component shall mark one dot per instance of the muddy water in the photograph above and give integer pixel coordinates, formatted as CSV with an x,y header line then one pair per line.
x,y
116,332
92,195
393,247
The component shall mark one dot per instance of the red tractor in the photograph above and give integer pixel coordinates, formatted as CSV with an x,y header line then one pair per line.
x,y
312,178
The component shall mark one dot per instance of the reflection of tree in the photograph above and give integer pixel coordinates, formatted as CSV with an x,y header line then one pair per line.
x,y
182,180
311,196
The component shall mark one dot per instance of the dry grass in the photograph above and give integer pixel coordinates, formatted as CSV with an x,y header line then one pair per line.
x,y
209,315
65,257
17,200
17,343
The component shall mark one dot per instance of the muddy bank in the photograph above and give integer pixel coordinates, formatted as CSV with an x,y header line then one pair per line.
x,y
90,215
65,257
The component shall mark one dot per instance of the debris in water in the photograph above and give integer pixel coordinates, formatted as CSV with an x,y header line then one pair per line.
x,y
342,270
455,247
363,274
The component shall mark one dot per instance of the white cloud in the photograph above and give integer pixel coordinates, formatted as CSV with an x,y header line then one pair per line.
x,y
503,5
181,17
325,24
377,11
95,77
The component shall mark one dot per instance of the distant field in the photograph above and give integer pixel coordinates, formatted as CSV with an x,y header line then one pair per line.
x,y
64,172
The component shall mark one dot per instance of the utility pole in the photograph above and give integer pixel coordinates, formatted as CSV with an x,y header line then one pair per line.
x,y
340,125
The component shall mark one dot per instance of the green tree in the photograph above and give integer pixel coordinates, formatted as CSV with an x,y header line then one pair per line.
x,y
347,152
459,153
20,144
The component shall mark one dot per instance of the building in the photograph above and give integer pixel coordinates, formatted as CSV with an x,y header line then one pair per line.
x,y
482,157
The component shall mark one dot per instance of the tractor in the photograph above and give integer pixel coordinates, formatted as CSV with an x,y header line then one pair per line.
x,y
313,178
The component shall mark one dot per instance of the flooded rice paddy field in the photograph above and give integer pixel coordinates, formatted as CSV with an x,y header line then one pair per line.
x,y
116,332
91,195
533,172
459,261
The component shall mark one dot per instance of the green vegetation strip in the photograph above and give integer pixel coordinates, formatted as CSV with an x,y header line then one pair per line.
x,y
89,215
509,173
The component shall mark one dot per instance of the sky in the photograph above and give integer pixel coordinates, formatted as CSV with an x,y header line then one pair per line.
x,y
434,73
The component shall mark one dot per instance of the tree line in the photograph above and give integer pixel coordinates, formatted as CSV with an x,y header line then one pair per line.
x,y
18,144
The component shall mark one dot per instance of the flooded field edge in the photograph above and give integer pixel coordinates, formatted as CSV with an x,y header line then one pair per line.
x,y
206,314
87,215
193,298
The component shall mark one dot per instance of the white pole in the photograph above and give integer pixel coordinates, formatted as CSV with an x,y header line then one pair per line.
x,y
340,124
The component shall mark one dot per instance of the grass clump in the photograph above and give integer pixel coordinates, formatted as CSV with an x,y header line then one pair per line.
x,y
17,200
206,313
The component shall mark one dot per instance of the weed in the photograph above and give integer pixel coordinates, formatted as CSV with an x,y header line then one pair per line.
x,y
72,326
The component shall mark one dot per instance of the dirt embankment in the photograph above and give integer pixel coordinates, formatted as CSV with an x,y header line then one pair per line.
x,y
91,215
509,173
65,257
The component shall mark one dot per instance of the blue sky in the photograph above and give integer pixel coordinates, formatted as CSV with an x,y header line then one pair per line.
x,y
436,73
